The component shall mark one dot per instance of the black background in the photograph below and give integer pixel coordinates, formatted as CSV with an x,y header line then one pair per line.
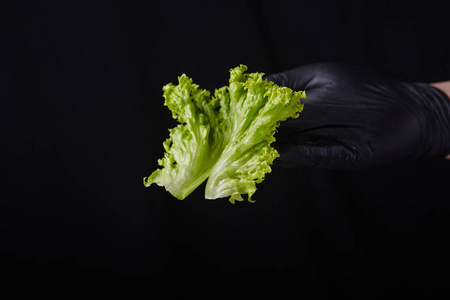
x,y
83,121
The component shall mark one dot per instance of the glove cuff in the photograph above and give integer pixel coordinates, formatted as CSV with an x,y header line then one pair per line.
x,y
435,135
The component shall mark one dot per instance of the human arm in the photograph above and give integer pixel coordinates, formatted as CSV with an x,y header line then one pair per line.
x,y
444,86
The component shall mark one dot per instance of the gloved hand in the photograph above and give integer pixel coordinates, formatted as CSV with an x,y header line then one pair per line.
x,y
355,118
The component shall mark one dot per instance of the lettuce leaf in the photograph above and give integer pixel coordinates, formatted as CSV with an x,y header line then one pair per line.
x,y
225,137
193,146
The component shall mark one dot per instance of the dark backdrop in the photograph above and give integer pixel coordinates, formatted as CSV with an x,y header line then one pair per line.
x,y
83,121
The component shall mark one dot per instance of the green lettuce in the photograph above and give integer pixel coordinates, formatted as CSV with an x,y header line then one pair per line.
x,y
224,138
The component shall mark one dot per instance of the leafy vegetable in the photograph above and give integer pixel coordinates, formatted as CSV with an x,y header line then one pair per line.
x,y
225,137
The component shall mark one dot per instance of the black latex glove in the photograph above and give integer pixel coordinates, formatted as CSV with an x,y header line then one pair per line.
x,y
355,118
